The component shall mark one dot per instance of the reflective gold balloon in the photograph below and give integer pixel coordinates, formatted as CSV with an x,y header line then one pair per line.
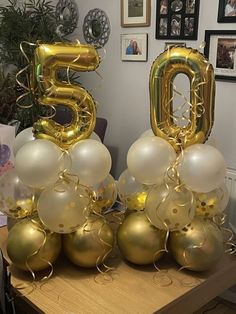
x,y
139,241
105,194
170,207
212,203
15,197
89,245
202,95
199,246
132,193
51,91
28,243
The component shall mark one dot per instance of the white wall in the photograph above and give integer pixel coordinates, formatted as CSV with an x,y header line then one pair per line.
x,y
123,93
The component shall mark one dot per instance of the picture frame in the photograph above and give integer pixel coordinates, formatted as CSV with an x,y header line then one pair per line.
x,y
220,50
135,13
174,44
134,47
177,19
226,11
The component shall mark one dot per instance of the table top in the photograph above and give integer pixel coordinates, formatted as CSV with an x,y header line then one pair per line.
x,y
132,290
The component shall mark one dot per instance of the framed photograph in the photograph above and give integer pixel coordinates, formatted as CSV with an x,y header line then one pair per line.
x,y
135,13
227,11
177,19
220,50
171,44
134,47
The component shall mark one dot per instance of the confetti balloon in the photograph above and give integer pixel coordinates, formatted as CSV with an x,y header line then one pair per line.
x,y
105,194
64,207
170,207
211,203
15,197
132,193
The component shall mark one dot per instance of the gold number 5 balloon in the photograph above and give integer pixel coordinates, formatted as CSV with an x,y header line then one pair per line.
x,y
51,91
202,94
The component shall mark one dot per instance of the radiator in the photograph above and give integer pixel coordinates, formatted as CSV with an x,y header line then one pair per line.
x,y
231,207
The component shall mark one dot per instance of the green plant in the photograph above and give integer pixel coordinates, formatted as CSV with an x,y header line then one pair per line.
x,y
32,21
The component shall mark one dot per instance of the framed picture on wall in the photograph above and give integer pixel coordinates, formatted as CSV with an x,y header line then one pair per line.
x,y
220,50
177,19
135,13
134,47
173,44
227,11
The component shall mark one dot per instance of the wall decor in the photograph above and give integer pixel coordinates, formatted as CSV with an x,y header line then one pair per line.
x,y
227,11
135,13
134,47
220,50
173,44
177,19
66,16
96,27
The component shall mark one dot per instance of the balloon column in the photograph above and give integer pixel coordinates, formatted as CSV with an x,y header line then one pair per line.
x,y
61,183
172,176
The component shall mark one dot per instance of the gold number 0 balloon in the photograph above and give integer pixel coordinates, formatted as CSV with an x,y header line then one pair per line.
x,y
51,91
202,95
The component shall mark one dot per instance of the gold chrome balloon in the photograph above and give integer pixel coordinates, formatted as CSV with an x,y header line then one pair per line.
x,y
139,241
199,246
105,194
51,91
200,72
90,244
28,243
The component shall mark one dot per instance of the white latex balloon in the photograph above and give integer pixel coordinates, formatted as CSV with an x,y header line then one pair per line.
x,y
38,163
91,161
147,133
202,168
22,138
63,208
95,137
148,159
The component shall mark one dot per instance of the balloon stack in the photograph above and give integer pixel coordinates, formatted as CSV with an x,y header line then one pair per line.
x,y
60,185
175,182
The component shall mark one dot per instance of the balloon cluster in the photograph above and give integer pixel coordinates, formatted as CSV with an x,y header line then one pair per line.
x,y
60,185
174,181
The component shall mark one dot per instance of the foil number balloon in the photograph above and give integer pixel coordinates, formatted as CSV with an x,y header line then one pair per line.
x,y
51,91
202,93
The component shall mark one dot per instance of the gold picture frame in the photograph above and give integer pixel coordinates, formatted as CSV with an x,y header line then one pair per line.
x,y
135,13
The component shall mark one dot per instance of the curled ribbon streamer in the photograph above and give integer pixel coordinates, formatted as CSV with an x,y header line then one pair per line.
x,y
220,220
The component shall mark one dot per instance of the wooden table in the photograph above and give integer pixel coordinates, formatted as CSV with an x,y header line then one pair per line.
x,y
73,290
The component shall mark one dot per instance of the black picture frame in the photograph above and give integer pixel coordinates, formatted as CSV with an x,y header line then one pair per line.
x,y
177,19
220,49
222,17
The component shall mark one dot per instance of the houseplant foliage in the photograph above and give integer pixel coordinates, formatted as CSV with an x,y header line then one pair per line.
x,y
31,21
